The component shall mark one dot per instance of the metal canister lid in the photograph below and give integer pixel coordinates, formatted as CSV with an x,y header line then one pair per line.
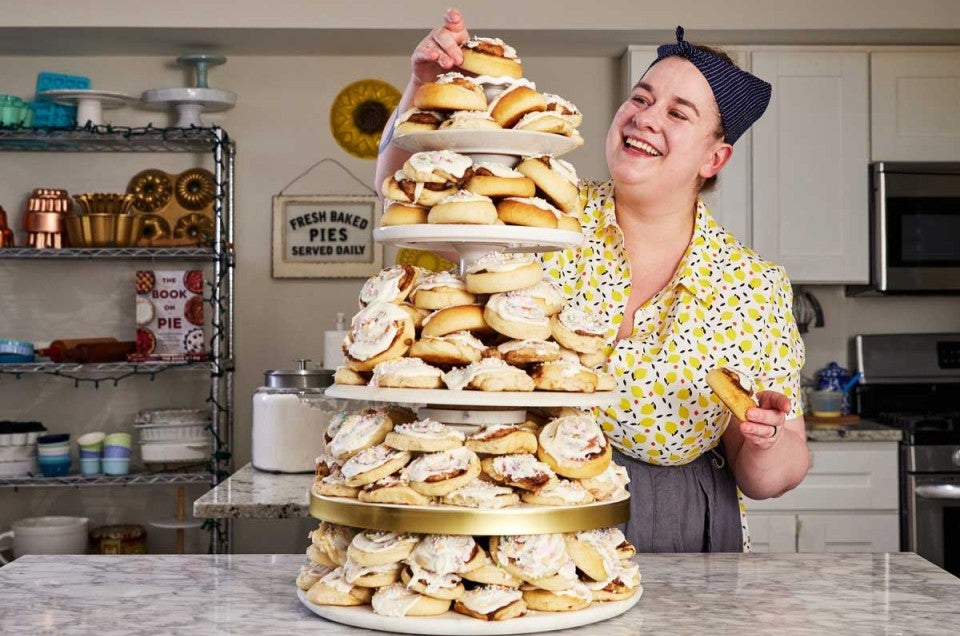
x,y
301,378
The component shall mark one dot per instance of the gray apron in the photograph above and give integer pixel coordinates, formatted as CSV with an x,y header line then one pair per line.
x,y
688,508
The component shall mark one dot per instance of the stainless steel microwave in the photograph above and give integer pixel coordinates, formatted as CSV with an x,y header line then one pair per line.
x,y
915,227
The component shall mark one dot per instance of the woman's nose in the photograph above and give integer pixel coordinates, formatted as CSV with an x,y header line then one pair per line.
x,y
646,118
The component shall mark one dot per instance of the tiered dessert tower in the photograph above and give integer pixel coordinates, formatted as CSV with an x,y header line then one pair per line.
x,y
470,410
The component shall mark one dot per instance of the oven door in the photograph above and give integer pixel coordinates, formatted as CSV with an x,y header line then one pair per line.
x,y
934,518
916,219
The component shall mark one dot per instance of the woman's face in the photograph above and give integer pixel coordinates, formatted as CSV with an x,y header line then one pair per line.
x,y
664,136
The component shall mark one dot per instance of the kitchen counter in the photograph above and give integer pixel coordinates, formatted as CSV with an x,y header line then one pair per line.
x,y
252,494
683,593
862,431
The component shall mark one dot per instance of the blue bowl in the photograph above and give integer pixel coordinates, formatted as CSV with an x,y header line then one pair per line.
x,y
54,459
90,466
116,466
90,454
56,468
116,452
53,438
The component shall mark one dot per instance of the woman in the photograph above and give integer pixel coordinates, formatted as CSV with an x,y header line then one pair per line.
x,y
680,296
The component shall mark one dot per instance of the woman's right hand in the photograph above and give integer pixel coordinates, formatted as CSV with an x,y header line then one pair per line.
x,y
440,50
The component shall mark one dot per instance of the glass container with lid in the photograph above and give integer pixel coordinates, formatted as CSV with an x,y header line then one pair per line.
x,y
290,415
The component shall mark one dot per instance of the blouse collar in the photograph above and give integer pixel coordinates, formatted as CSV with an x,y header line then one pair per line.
x,y
699,270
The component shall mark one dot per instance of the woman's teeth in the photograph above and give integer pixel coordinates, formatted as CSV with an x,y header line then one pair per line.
x,y
639,145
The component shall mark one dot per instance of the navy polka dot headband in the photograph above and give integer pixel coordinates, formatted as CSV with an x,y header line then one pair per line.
x,y
741,97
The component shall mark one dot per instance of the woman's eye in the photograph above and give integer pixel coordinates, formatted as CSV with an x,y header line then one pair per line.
x,y
678,115
639,99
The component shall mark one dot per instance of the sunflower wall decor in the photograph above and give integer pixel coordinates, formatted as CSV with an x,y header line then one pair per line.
x,y
359,113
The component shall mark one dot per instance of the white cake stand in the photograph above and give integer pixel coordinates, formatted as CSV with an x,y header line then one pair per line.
x,y
189,102
464,399
498,146
453,623
90,103
471,242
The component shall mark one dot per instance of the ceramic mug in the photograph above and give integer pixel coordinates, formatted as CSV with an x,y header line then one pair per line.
x,y
45,535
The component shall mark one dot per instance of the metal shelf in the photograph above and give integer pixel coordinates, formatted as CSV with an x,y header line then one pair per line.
x,y
104,368
108,139
84,481
110,253
220,366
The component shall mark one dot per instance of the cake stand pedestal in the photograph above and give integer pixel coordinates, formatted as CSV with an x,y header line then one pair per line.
x,y
90,103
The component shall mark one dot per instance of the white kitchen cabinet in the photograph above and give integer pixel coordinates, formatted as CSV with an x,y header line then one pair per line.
x,y
915,106
773,532
848,502
730,201
809,170
848,532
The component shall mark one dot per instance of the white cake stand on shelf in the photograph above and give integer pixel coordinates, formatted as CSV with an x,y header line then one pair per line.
x,y
471,242
499,146
90,103
453,623
189,102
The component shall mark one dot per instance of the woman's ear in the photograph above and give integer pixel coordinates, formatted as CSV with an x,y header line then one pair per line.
x,y
716,160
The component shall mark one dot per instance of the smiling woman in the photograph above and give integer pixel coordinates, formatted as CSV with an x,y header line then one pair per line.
x,y
676,296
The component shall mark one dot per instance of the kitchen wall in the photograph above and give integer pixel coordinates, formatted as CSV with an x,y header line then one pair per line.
x,y
281,127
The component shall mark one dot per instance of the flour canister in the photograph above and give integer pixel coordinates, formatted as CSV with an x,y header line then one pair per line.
x,y
290,416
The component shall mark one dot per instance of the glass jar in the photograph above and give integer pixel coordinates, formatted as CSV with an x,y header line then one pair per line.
x,y
290,416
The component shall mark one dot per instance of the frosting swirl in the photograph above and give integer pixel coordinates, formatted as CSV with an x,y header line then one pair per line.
x,y
573,438
500,262
385,286
428,429
490,598
579,321
537,555
519,306
428,465
443,553
404,367
374,328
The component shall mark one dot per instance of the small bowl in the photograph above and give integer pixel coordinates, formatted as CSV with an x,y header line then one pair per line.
x,y
92,441
116,466
53,438
91,454
118,439
826,403
54,468
116,452
90,466
53,450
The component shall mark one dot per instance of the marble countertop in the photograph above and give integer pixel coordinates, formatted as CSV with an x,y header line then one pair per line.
x,y
252,494
683,593
862,431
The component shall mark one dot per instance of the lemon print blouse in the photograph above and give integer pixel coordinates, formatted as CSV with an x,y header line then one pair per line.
x,y
724,306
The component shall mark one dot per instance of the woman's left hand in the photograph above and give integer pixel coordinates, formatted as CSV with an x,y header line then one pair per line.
x,y
762,428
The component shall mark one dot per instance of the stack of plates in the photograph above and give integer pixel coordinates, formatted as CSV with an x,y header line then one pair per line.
x,y
172,439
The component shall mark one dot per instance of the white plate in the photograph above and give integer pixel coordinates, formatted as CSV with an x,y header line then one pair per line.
x,y
70,97
453,623
519,143
511,399
482,238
